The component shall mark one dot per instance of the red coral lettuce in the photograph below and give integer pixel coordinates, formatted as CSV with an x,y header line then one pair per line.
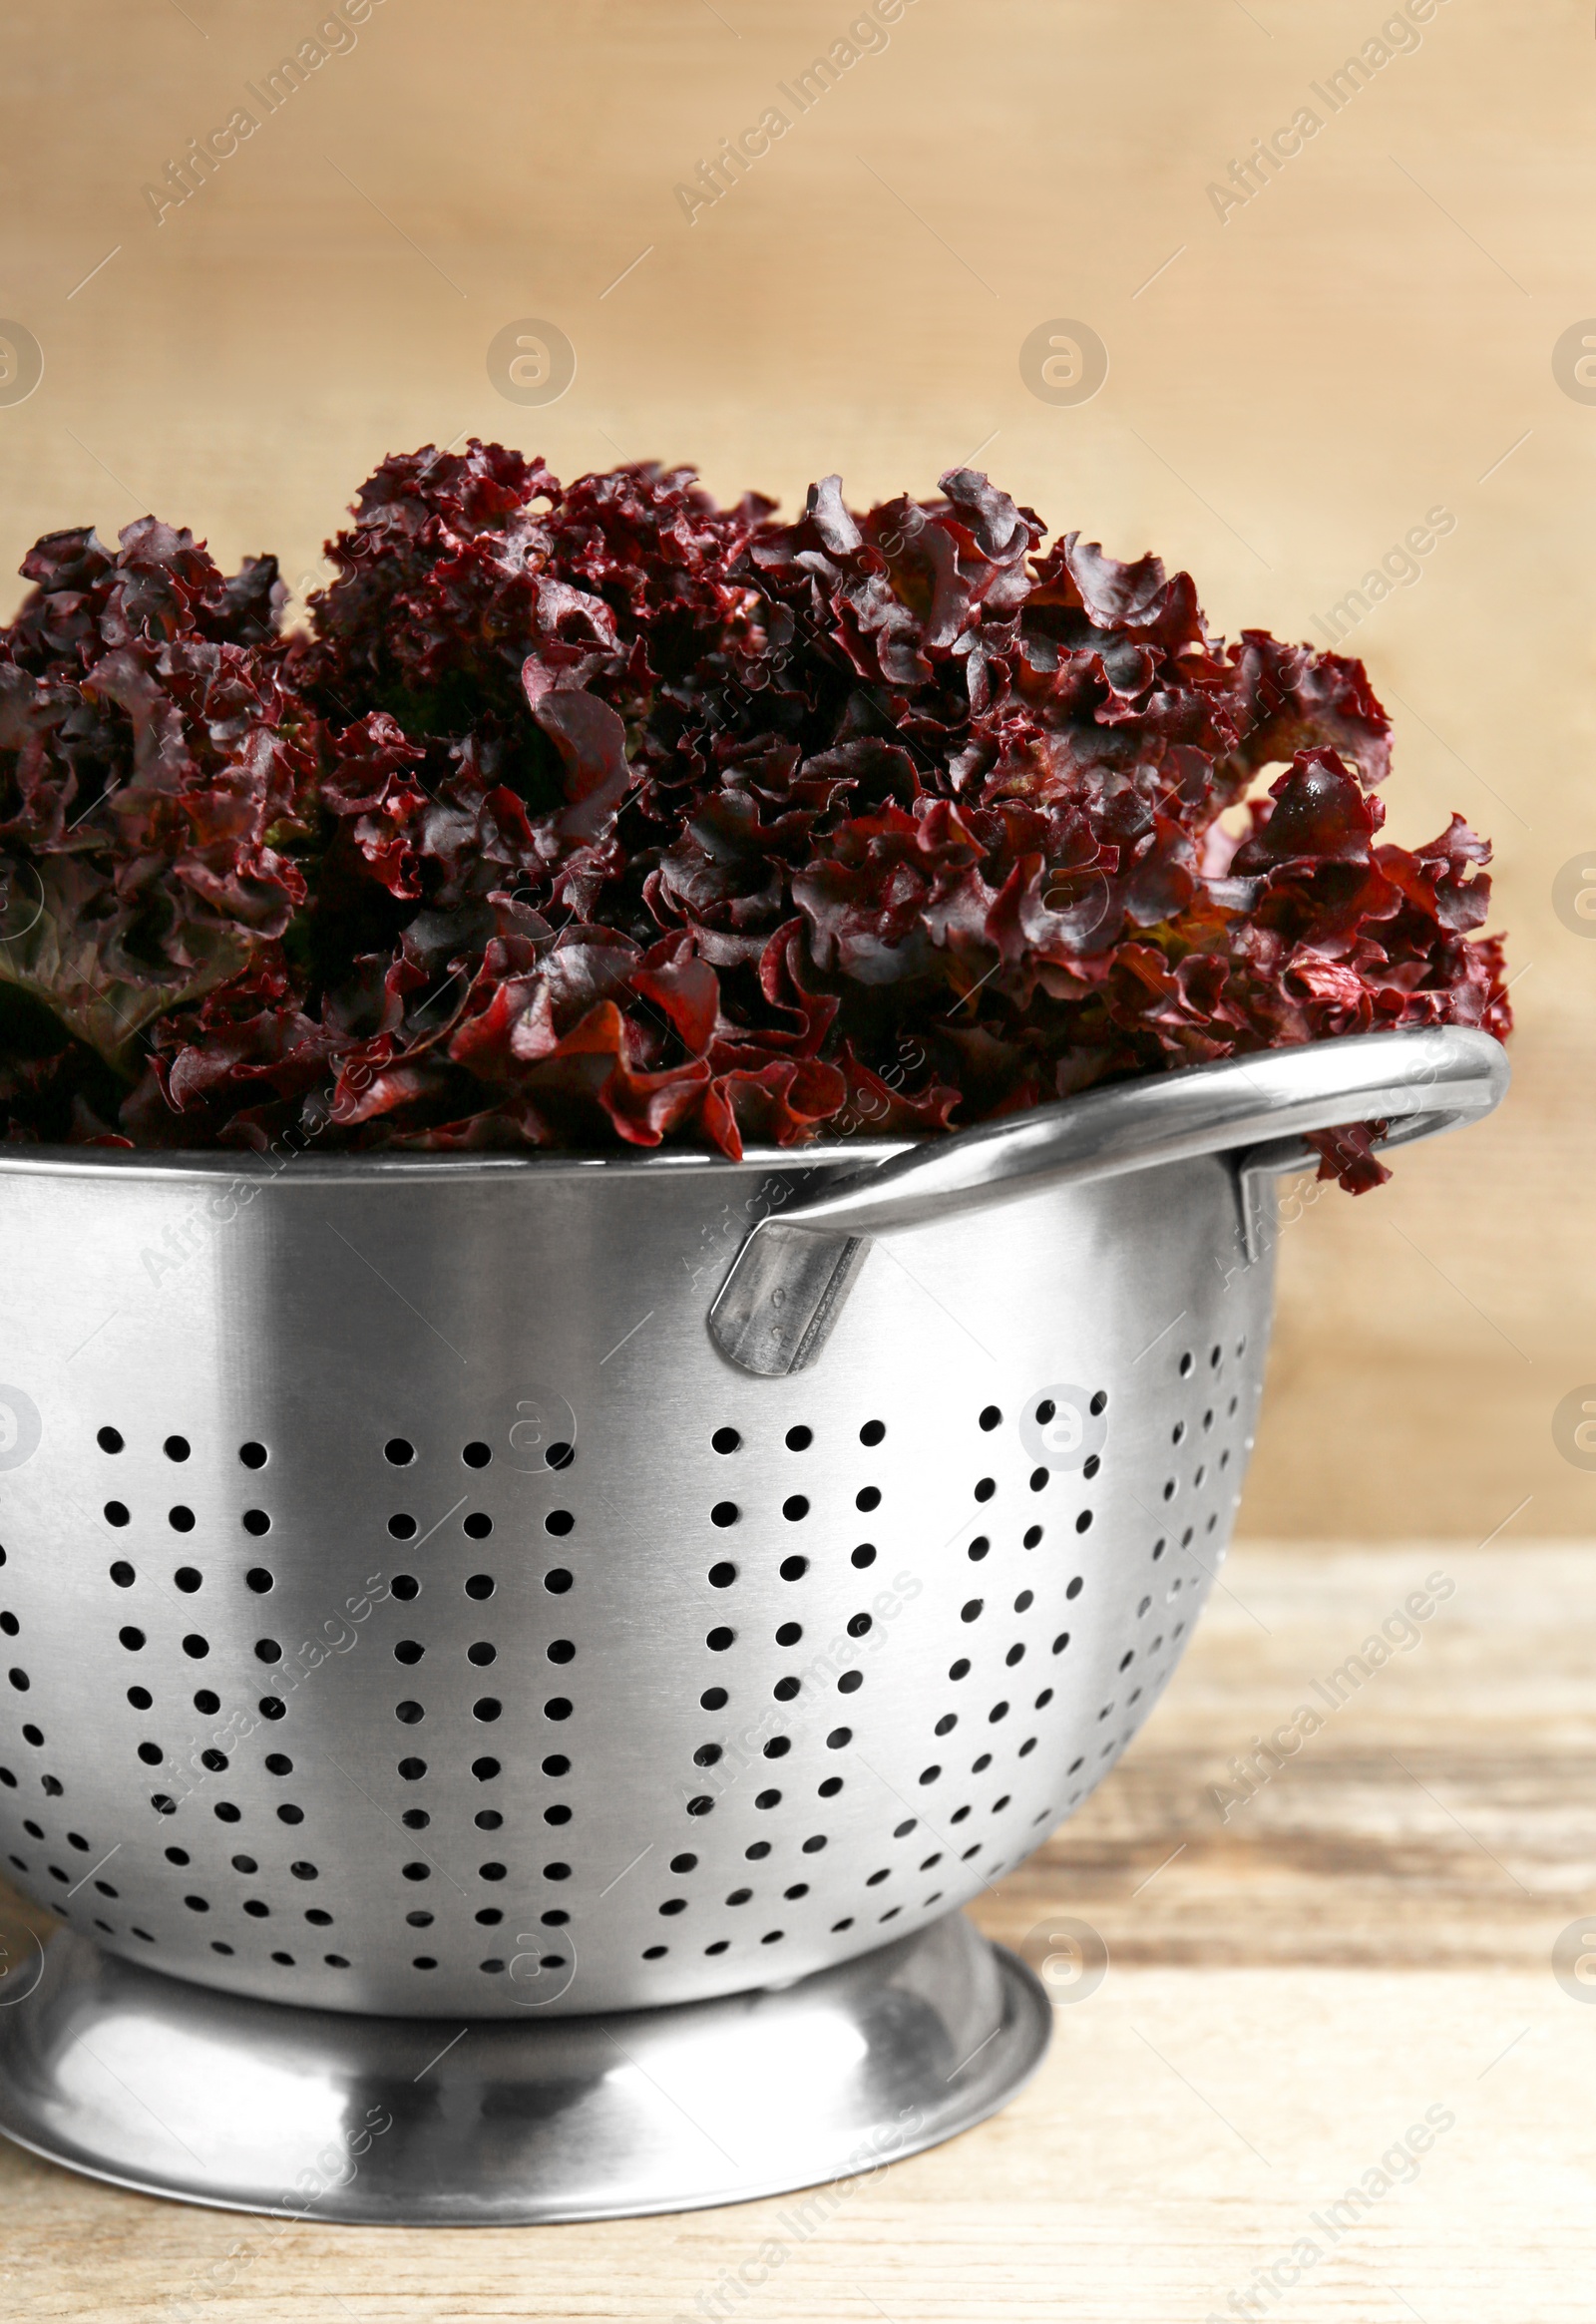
x,y
599,815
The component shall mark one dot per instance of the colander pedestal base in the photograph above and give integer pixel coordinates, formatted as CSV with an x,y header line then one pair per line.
x,y
154,2084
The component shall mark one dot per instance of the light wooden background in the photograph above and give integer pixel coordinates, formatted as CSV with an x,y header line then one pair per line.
x,y
1368,337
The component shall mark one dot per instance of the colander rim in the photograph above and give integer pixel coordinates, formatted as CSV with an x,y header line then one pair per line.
x,y
229,1165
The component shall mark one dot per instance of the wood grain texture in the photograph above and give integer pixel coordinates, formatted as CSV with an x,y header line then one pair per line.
x,y
1290,1989
1292,386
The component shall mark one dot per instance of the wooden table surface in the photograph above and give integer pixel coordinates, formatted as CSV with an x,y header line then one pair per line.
x,y
1365,1943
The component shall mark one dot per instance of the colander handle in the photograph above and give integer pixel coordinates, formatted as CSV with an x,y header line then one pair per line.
x,y
787,1285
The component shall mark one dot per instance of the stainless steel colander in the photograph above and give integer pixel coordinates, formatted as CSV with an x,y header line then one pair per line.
x,y
527,1589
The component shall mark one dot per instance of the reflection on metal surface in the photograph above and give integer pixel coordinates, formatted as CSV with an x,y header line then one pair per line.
x,y
135,2077
344,1682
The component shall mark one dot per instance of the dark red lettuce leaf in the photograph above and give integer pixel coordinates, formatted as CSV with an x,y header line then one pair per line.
x,y
598,815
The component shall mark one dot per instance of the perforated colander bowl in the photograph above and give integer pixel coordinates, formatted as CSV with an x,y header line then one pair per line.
x,y
416,1602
